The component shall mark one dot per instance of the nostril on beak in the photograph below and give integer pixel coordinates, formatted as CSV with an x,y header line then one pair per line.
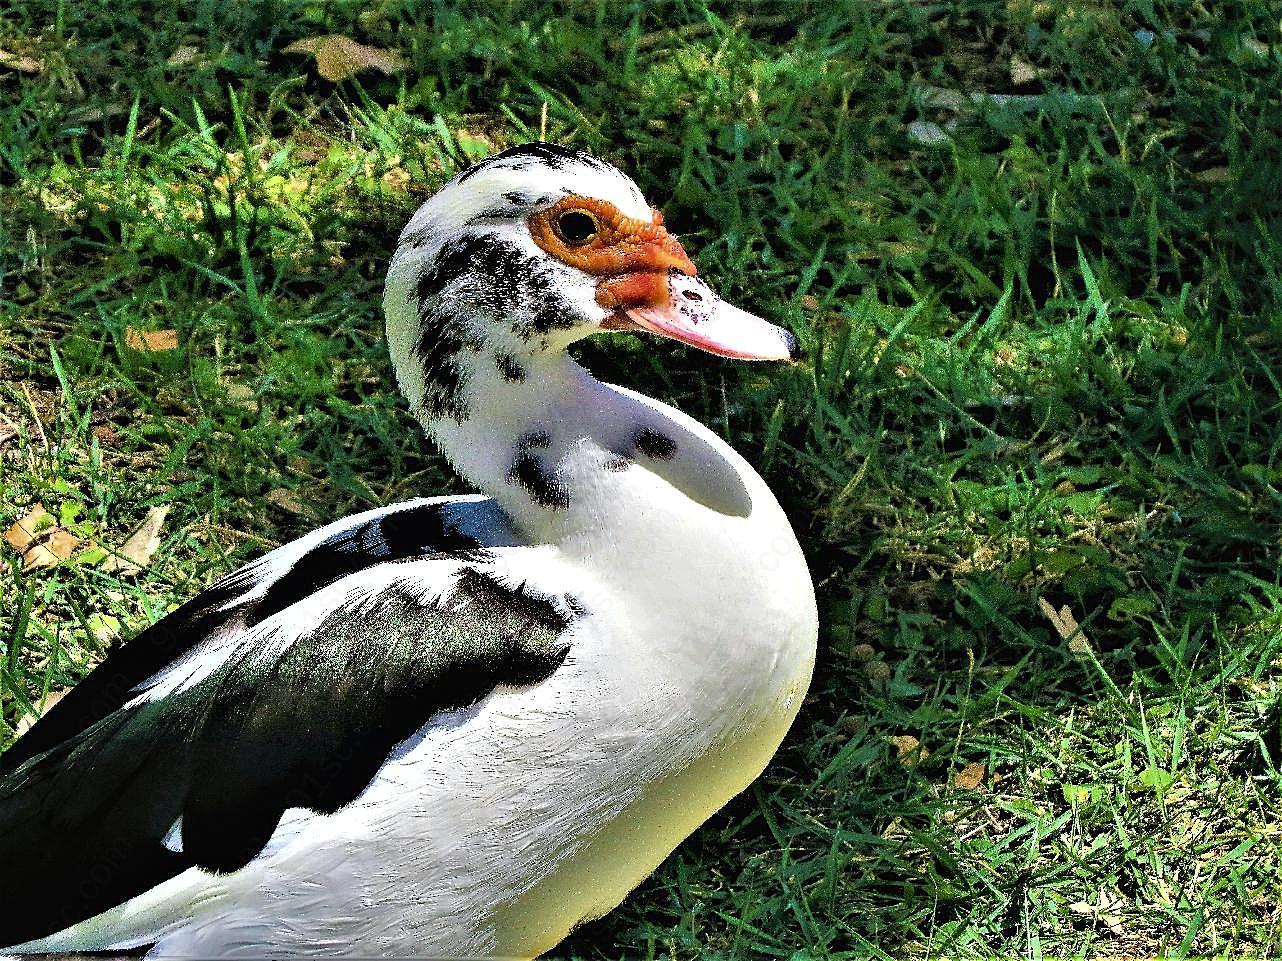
x,y
795,352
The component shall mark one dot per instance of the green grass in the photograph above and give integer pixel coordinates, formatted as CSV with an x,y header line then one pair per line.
x,y
1046,365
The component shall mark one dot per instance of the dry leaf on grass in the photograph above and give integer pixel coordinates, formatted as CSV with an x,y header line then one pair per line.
x,y
1066,626
39,539
1105,912
20,62
60,545
1021,71
30,527
1214,175
339,57
909,749
136,552
151,341
970,778
182,57
242,395
38,556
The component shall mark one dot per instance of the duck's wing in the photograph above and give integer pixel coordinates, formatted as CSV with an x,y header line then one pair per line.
x,y
286,684
454,526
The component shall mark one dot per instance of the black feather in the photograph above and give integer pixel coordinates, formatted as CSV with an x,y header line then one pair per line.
x,y
544,489
509,367
417,532
265,731
652,443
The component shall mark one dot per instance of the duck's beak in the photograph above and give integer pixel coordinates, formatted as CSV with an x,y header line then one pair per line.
x,y
684,308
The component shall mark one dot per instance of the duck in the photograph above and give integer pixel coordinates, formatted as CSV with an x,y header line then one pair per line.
x,y
456,726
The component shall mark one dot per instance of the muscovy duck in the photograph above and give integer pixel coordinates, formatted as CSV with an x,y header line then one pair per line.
x,y
456,726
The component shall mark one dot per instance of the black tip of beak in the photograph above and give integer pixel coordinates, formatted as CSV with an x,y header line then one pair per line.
x,y
795,353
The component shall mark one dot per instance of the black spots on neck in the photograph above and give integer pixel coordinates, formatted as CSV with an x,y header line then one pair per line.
x,y
468,255
654,444
477,280
545,490
509,367
645,440
535,439
545,308
444,333
444,377
702,472
528,471
547,317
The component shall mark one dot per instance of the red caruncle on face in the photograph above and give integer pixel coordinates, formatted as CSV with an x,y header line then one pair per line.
x,y
631,256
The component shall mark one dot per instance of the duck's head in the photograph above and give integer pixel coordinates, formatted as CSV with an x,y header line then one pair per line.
x,y
530,250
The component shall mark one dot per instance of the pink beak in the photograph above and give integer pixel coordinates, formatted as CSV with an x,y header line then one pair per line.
x,y
691,313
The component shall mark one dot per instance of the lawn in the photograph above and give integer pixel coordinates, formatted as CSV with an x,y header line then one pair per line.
x,y
1034,252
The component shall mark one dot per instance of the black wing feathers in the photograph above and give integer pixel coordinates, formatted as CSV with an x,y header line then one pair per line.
x,y
390,537
263,733
357,687
424,530
74,817
88,795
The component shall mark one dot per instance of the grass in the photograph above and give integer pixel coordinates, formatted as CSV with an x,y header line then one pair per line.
x,y
1035,462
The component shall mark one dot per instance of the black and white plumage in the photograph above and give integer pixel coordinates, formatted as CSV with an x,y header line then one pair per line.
x,y
455,726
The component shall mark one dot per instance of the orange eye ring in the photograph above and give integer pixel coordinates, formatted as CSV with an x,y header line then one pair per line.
x,y
591,235
576,227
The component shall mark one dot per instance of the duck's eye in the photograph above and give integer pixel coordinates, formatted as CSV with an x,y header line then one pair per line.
x,y
577,227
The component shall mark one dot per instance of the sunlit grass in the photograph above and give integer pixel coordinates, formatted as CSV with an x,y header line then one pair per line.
x,y
1045,372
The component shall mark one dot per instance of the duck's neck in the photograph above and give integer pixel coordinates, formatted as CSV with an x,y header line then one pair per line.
x,y
571,458
516,430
